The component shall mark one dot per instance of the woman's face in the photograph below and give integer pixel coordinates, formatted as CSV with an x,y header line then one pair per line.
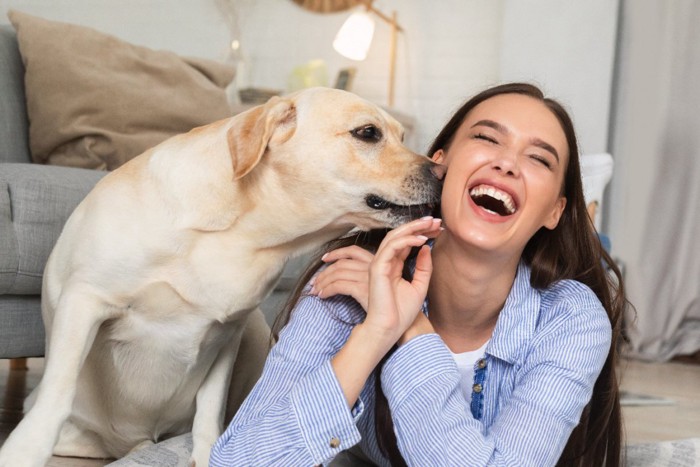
x,y
505,169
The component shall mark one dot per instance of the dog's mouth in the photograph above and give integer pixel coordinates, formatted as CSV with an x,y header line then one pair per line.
x,y
408,211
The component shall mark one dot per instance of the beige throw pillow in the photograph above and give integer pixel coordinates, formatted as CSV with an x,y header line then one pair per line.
x,y
95,101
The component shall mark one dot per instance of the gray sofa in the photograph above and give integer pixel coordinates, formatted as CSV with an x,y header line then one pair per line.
x,y
35,202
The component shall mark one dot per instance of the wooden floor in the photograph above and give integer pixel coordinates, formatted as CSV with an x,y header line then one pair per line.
x,y
14,386
679,382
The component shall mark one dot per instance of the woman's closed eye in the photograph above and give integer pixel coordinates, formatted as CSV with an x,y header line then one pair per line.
x,y
539,158
542,160
486,137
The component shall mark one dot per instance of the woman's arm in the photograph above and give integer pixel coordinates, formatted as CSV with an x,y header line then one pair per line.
x,y
297,414
392,304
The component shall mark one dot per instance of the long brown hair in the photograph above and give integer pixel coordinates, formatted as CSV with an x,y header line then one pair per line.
x,y
572,250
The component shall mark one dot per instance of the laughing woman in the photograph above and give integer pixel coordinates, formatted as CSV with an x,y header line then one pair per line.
x,y
495,345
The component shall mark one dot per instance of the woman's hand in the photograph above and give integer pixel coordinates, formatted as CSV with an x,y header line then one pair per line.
x,y
394,302
421,325
348,274
391,302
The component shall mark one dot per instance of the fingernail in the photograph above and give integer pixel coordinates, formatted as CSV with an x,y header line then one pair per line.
x,y
323,258
426,218
422,237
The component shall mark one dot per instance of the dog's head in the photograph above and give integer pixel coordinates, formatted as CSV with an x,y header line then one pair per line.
x,y
338,160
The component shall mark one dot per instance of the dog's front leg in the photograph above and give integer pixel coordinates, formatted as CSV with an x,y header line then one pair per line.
x,y
75,324
211,401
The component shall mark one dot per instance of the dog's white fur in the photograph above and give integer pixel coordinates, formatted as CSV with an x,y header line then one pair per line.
x,y
149,286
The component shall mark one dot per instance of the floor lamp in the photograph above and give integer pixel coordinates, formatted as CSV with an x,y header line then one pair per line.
x,y
355,37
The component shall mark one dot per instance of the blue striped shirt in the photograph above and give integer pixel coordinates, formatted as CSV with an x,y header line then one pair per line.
x,y
546,352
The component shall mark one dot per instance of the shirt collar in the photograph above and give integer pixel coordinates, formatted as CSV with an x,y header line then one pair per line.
x,y
517,321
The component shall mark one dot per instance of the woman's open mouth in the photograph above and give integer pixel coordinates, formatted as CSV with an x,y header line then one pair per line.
x,y
493,200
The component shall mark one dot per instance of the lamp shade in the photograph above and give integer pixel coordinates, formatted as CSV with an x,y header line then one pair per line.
x,y
355,36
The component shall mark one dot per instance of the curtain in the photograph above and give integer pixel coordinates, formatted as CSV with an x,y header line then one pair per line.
x,y
654,214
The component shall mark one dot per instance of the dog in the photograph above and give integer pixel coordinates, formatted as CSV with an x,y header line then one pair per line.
x,y
149,287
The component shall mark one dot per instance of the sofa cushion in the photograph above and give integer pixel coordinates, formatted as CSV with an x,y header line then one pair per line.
x,y
21,327
14,145
95,101
35,202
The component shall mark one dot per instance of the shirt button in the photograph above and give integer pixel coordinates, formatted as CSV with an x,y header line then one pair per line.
x,y
482,363
335,442
477,388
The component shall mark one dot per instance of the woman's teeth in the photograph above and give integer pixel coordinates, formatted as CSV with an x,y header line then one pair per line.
x,y
493,200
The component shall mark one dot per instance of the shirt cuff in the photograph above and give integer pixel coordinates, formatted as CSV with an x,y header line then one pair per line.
x,y
326,422
413,364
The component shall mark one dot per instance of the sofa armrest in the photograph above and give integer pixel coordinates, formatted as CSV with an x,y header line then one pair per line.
x,y
35,202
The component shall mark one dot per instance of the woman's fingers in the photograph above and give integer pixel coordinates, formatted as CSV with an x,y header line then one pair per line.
x,y
357,258
428,226
335,274
423,270
356,290
341,270
353,252
393,302
418,231
394,251
353,258
348,274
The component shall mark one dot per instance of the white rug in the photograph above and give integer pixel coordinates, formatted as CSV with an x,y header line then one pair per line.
x,y
680,453
175,452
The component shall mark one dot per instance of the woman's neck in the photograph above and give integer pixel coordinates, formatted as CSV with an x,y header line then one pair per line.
x,y
467,292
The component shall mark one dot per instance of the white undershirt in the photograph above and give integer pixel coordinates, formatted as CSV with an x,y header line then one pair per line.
x,y
465,364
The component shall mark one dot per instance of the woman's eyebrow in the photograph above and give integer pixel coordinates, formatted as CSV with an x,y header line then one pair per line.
x,y
546,146
503,129
491,124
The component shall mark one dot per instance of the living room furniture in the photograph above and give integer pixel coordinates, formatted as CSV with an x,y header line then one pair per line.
x,y
85,120
354,38
35,202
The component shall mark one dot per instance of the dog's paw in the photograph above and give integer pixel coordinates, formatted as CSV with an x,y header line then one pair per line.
x,y
201,460
21,460
199,457
14,454
6,460
29,445
201,448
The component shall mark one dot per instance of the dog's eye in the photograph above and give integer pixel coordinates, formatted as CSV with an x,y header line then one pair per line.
x,y
369,133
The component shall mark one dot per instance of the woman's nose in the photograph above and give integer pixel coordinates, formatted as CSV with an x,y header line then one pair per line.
x,y
507,163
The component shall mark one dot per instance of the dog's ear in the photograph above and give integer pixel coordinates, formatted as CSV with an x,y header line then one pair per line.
x,y
250,135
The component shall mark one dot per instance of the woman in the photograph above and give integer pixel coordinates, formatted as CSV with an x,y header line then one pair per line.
x,y
485,350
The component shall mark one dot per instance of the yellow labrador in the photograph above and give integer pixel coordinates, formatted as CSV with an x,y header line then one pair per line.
x,y
151,282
